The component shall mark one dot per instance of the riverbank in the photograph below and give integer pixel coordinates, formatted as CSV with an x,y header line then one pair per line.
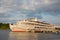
x,y
4,26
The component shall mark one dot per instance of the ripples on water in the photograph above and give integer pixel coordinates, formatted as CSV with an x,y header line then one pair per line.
x,y
8,35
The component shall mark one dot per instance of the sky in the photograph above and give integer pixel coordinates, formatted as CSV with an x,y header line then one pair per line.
x,y
44,10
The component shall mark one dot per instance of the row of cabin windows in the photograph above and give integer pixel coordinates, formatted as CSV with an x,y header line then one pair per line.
x,y
44,28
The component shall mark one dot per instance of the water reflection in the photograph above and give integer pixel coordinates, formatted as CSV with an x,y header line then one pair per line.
x,y
8,35
23,36
32,36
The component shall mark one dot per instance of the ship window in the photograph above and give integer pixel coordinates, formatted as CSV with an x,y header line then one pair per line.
x,y
11,24
36,27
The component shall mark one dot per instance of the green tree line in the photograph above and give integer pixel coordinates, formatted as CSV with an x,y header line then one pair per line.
x,y
4,26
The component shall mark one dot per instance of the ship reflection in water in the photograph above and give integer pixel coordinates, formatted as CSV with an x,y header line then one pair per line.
x,y
33,36
22,36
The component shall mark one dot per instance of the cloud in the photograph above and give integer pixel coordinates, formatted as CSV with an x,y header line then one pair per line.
x,y
8,5
20,9
3,7
33,4
47,17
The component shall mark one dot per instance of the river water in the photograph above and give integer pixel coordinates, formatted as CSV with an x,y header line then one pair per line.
x,y
8,35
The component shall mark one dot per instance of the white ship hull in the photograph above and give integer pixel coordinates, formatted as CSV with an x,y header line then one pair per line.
x,y
21,27
14,29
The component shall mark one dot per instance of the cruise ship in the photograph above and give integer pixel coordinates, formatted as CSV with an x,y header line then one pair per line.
x,y
31,24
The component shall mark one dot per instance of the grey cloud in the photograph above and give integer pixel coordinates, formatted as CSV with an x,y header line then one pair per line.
x,y
52,9
14,9
34,15
17,4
